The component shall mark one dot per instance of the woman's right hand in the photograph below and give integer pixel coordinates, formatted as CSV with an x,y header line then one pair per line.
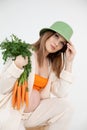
x,y
20,61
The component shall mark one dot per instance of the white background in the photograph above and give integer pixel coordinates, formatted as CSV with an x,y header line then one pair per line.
x,y
25,18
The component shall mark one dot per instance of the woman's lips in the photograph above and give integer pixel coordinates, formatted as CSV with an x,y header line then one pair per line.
x,y
53,48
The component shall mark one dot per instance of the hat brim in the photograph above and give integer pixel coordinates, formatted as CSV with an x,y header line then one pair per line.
x,y
42,31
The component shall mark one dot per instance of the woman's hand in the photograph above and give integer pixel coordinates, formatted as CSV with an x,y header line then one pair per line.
x,y
69,54
20,61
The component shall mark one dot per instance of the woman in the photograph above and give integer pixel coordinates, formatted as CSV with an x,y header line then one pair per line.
x,y
48,83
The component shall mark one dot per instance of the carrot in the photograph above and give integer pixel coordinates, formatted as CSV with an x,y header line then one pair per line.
x,y
24,86
18,97
14,93
26,97
23,92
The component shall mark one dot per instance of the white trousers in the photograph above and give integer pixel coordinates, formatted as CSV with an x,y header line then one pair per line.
x,y
53,114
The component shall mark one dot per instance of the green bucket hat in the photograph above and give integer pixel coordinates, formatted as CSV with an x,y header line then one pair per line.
x,y
60,27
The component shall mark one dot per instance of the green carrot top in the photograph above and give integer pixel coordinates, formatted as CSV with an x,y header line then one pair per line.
x,y
14,47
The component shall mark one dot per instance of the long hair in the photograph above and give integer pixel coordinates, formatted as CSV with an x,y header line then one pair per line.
x,y
56,59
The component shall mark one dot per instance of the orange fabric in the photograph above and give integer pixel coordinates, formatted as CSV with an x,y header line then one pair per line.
x,y
39,82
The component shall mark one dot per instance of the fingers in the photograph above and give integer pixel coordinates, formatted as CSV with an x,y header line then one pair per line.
x,y
71,47
21,61
26,60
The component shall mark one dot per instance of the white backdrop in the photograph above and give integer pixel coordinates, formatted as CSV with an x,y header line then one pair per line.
x,y
25,18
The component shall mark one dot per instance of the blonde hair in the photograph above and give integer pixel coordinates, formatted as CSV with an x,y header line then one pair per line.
x,y
55,59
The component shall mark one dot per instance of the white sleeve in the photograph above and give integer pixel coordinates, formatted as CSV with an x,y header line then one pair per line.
x,y
14,71
61,86
8,77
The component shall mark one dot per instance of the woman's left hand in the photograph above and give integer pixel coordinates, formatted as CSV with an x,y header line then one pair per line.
x,y
69,57
70,53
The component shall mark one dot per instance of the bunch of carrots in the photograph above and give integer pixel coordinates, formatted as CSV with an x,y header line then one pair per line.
x,y
20,95
20,92
11,49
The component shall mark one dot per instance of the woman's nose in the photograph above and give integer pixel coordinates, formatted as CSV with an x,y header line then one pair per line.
x,y
57,42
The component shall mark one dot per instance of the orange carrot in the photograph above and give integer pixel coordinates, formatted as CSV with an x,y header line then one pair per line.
x,y
24,86
23,92
14,93
18,97
27,97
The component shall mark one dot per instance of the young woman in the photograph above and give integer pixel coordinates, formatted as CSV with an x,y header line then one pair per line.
x,y
48,83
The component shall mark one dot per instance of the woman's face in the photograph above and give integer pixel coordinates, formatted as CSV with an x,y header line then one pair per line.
x,y
55,43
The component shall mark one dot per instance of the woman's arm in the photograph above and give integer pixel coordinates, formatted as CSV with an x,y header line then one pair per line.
x,y
10,74
61,87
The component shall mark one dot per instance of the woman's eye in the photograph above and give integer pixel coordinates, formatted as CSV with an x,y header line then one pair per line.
x,y
62,43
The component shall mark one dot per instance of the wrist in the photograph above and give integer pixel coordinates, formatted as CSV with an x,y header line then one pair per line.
x,y
68,66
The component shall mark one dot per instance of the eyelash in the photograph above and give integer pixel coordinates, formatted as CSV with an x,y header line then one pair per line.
x,y
62,43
